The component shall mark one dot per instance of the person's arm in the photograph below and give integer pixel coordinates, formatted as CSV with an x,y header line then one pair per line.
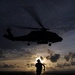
x,y
35,65
44,67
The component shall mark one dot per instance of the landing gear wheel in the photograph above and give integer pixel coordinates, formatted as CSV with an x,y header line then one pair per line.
x,y
49,43
28,44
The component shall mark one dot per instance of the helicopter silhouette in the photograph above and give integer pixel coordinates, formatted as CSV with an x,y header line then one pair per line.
x,y
41,35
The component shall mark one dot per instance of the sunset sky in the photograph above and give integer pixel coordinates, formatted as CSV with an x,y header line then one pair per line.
x,y
57,15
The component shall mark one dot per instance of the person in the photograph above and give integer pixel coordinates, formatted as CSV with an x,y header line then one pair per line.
x,y
38,66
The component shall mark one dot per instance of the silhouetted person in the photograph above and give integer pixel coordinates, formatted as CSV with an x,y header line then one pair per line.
x,y
38,66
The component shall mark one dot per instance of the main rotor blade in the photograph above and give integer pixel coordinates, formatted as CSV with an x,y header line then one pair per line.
x,y
33,13
68,28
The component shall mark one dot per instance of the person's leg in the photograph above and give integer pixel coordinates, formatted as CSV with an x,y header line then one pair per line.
x,y
38,73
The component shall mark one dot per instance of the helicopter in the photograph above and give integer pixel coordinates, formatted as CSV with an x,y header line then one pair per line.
x,y
41,36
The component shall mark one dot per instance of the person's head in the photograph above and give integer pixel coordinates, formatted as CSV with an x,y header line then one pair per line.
x,y
38,60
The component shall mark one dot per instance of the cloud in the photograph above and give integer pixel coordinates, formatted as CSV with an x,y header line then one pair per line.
x,y
62,65
2,53
73,63
55,57
66,57
14,53
65,64
30,65
70,56
41,58
7,66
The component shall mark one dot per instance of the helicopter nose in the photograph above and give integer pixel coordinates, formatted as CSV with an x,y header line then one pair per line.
x,y
60,39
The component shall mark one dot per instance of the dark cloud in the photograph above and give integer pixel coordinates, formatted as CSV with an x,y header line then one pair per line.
x,y
66,58
41,57
47,57
55,57
70,55
73,63
52,56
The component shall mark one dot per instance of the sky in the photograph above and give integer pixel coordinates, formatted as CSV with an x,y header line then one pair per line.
x,y
56,15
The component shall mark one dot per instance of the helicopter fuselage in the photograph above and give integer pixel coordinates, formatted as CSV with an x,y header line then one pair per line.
x,y
41,37
38,36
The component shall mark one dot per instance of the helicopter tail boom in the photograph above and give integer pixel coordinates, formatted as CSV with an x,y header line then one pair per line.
x,y
9,35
